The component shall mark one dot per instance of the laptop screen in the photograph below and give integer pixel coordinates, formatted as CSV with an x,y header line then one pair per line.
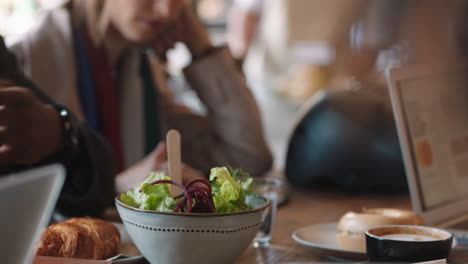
x,y
435,112
27,200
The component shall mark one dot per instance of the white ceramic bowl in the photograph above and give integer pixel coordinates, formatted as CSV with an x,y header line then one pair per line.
x,y
172,238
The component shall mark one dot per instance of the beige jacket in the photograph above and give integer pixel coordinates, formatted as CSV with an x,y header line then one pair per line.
x,y
230,134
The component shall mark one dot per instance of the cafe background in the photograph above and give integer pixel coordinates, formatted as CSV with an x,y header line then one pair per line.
x,y
306,39
309,50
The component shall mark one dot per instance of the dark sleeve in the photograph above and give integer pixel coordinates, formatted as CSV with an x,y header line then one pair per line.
x,y
89,186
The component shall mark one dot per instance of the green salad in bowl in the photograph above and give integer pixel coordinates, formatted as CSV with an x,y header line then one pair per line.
x,y
211,221
227,191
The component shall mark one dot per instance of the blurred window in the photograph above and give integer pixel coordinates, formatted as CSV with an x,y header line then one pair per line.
x,y
17,16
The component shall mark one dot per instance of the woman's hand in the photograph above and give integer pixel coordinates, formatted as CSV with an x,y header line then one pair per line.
x,y
30,130
185,28
241,30
156,161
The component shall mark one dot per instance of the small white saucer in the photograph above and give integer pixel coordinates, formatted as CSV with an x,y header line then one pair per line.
x,y
323,237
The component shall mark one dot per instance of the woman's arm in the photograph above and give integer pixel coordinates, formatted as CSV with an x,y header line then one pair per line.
x,y
231,133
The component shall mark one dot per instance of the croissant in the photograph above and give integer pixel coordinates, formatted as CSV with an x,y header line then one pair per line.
x,y
84,238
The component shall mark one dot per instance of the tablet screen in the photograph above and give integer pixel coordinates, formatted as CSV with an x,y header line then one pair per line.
x,y
435,110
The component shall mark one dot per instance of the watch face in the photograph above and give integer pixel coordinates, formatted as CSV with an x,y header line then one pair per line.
x,y
71,132
63,112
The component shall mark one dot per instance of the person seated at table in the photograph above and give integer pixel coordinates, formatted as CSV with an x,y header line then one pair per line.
x,y
34,131
92,56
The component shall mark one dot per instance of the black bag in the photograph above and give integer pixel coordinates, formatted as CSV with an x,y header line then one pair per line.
x,y
347,140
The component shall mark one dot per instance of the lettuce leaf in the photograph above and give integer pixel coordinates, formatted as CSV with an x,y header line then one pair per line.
x,y
152,197
229,189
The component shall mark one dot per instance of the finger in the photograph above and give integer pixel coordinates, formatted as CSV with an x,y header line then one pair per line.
x,y
5,83
179,32
8,117
11,96
159,49
7,155
12,138
169,41
4,148
166,41
12,128
14,155
177,7
174,31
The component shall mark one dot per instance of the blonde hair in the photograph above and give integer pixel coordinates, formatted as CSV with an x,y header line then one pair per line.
x,y
93,15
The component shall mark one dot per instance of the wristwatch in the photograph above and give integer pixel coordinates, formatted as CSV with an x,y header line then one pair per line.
x,y
70,130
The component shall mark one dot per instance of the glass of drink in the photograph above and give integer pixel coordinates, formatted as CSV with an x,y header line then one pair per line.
x,y
270,188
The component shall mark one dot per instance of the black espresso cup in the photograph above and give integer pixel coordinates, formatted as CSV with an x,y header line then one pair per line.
x,y
407,244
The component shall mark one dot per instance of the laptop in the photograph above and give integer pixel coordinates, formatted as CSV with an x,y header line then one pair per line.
x,y
430,105
27,201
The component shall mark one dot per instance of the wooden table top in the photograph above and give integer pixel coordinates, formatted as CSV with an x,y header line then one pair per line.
x,y
307,207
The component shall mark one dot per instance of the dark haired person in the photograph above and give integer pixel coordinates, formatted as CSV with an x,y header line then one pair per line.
x,y
34,132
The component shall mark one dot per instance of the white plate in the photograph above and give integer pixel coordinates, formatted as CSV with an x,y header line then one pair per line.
x,y
323,238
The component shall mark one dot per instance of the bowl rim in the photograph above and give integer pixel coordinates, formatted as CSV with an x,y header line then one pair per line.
x,y
369,234
123,205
